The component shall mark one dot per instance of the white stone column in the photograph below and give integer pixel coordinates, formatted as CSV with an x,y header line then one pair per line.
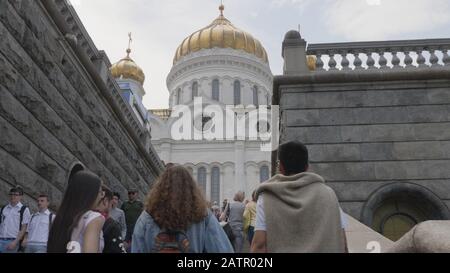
x,y
166,152
239,160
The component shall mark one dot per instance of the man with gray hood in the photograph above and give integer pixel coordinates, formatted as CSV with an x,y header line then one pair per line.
x,y
296,212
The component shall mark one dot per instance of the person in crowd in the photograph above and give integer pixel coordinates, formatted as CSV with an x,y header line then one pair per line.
x,y
14,219
177,219
36,238
250,218
216,210
118,215
224,205
309,209
77,227
112,233
234,215
132,209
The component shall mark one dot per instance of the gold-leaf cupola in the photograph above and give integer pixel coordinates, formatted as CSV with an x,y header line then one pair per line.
x,y
221,33
126,68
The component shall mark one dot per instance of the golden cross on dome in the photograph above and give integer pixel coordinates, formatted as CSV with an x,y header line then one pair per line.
x,y
129,44
221,7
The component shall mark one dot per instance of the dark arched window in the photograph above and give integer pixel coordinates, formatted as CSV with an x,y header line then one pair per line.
x,y
194,90
255,96
215,184
201,179
264,174
190,170
178,96
237,92
215,90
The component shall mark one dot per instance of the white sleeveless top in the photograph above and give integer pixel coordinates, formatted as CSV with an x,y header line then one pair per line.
x,y
77,242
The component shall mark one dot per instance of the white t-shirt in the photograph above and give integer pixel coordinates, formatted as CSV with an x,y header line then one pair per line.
x,y
9,227
261,216
84,221
39,226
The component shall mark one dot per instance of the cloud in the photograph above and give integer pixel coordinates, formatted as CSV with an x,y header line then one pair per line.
x,y
158,27
384,19
301,4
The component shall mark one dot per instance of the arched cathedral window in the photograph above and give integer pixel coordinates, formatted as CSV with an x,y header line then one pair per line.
x,y
194,90
215,184
201,179
255,96
237,92
178,96
264,174
215,90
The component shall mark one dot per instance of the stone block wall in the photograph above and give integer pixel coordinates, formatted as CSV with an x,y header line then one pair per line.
x,y
53,115
367,134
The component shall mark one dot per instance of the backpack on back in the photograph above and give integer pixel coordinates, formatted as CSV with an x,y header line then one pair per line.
x,y
171,242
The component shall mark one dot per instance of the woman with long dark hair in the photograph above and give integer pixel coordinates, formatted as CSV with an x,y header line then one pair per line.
x,y
177,219
77,227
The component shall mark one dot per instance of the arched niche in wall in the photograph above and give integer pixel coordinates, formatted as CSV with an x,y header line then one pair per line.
x,y
394,209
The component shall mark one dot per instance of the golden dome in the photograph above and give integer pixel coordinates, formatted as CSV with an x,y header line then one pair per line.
x,y
128,69
221,33
311,61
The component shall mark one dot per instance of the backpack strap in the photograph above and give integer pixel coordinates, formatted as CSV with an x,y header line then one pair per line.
x,y
32,217
22,211
1,214
50,221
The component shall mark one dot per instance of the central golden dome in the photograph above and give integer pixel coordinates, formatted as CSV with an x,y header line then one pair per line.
x,y
221,33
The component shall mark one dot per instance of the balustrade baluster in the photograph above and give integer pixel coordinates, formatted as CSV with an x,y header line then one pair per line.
x,y
345,62
446,58
420,58
395,60
408,59
319,62
383,61
370,60
357,62
332,63
433,58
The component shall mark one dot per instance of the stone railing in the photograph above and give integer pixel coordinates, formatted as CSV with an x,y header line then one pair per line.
x,y
381,55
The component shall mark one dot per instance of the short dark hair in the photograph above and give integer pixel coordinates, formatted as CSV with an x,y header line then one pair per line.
x,y
44,196
117,195
17,189
294,157
108,193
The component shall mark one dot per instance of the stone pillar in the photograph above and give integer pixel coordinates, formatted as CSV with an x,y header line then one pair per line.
x,y
102,65
166,152
294,54
239,173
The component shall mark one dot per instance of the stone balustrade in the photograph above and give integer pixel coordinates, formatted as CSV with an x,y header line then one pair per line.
x,y
381,55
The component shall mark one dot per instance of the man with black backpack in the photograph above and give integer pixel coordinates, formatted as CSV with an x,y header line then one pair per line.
x,y
14,219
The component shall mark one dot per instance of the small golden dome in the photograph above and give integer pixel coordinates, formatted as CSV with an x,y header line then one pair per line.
x,y
311,60
221,33
127,68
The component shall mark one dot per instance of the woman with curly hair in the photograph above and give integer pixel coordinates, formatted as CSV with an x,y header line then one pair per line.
x,y
176,217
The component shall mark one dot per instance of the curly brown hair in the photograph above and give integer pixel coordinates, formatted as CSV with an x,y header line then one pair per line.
x,y
175,201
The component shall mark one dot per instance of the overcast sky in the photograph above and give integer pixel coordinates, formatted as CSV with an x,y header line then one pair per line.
x,y
159,26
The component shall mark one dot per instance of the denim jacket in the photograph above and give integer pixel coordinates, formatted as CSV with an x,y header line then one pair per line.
x,y
206,236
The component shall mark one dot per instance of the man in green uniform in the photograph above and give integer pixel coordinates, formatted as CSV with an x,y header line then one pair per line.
x,y
132,209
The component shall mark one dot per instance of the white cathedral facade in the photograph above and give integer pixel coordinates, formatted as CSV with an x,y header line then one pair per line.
x,y
221,66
